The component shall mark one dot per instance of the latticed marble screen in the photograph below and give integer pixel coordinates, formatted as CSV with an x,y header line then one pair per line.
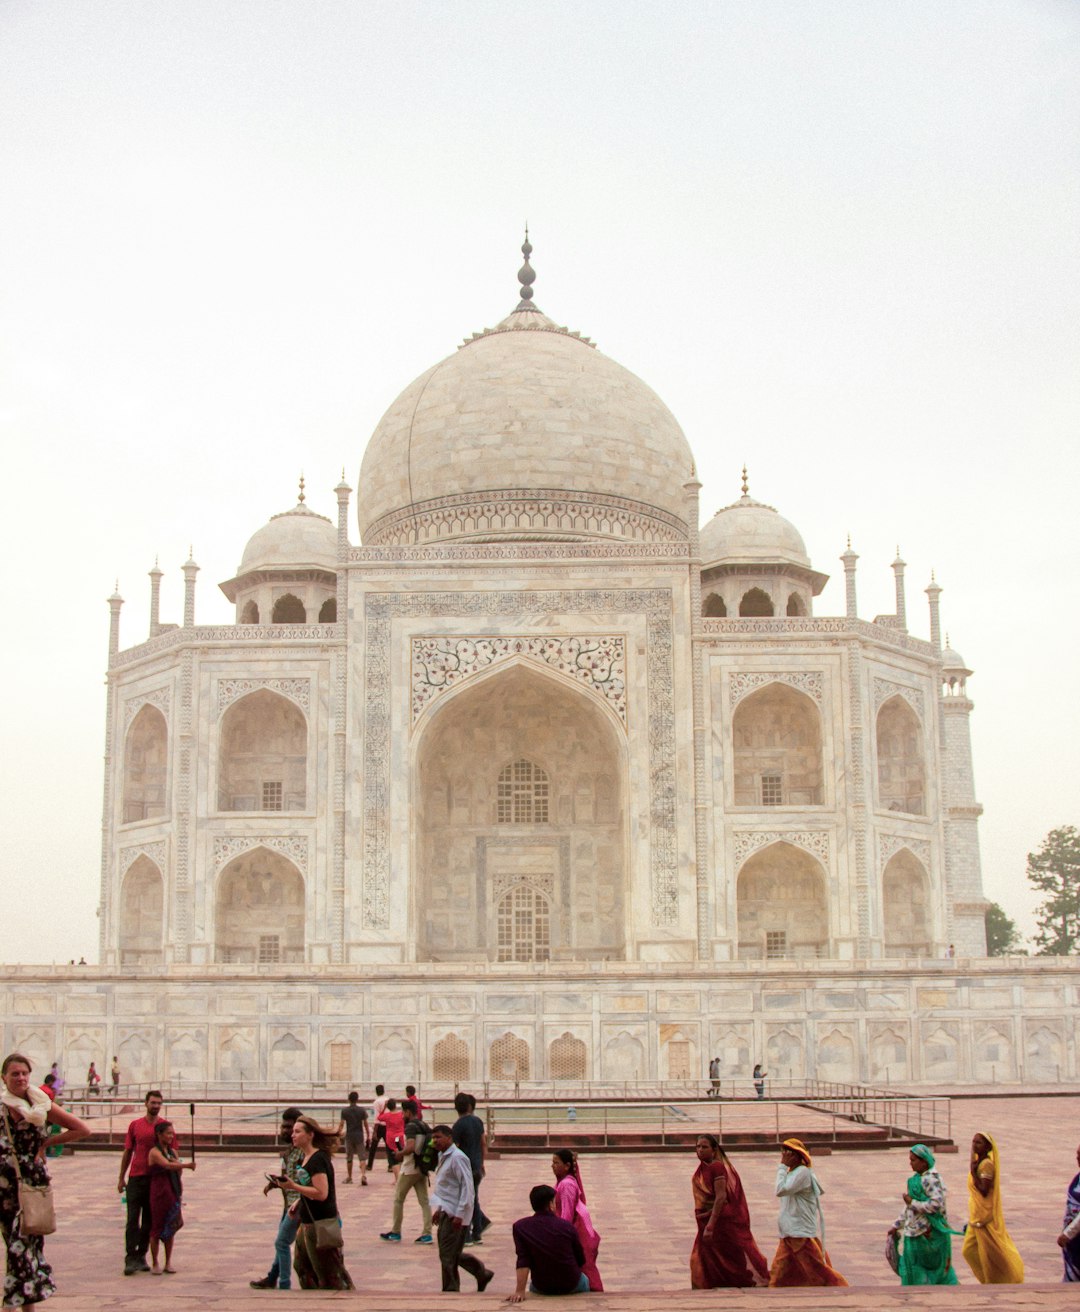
x,y
524,925
567,1058
523,794
450,1060
509,1058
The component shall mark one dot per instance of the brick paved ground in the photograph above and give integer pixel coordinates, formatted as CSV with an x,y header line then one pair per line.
x,y
641,1205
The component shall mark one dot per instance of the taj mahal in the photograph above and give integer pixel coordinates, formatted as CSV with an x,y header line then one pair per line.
x,y
546,779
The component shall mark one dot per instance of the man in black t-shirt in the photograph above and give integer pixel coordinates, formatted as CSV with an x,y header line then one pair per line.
x,y
353,1125
471,1138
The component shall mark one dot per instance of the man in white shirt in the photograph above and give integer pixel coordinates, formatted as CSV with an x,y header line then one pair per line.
x,y
801,1258
451,1210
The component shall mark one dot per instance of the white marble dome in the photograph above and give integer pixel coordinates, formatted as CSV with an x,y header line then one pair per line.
x,y
750,531
295,539
527,432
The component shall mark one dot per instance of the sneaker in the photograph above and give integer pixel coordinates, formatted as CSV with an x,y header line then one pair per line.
x,y
483,1281
422,1239
391,1237
142,1264
129,1268
265,1283
471,1242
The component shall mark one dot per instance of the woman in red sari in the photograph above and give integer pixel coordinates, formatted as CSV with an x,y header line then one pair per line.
x,y
724,1253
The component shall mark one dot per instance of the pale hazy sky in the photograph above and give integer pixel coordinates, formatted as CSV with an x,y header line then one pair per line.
x,y
839,239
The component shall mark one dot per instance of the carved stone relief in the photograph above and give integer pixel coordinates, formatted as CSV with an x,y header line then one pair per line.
x,y
815,841
742,683
885,688
297,690
160,697
290,845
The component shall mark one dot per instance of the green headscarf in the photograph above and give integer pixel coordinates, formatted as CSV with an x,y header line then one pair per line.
x,y
921,1150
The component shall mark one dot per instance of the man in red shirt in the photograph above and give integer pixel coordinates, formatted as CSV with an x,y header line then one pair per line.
x,y
137,1144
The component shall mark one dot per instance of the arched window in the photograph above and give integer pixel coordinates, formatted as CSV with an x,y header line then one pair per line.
x,y
289,610
145,765
756,604
509,1058
714,607
567,1058
142,909
523,794
777,749
523,918
782,912
260,910
263,755
450,1060
250,613
901,765
328,611
795,604
904,905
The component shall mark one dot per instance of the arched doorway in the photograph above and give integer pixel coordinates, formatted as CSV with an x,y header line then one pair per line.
x,y
901,761
145,765
260,910
783,913
521,849
777,749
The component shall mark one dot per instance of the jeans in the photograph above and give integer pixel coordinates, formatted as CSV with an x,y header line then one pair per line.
x,y
378,1135
137,1231
479,1220
582,1287
281,1271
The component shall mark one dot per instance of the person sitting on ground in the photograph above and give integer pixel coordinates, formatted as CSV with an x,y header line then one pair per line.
x,y
548,1249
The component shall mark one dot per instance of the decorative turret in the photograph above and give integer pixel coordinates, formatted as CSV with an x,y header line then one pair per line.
x,y
898,567
190,570
115,602
849,558
155,600
933,592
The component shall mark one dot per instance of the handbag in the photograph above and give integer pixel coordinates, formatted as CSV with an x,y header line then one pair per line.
x,y
328,1233
37,1213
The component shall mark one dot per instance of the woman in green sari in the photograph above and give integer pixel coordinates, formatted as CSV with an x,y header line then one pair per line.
x,y
923,1231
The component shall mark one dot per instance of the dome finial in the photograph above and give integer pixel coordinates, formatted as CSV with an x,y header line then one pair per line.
x,y
526,274
745,482
302,485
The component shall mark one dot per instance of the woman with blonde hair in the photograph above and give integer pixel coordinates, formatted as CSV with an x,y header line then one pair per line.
x,y
988,1250
26,1114
319,1257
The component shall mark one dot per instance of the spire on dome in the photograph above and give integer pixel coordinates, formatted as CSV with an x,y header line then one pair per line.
x,y
745,482
301,500
526,275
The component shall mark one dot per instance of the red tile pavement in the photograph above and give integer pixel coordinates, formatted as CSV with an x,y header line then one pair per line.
x,y
641,1205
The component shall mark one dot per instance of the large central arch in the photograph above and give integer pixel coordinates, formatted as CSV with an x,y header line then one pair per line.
x,y
519,790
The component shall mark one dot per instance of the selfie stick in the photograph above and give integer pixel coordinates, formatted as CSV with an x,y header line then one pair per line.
x,y
191,1111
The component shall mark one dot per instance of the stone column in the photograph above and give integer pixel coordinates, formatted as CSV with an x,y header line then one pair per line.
x,y
934,593
849,558
190,570
697,656
155,600
107,950
339,713
898,567
963,864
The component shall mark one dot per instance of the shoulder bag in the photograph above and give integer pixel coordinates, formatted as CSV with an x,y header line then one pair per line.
x,y
37,1214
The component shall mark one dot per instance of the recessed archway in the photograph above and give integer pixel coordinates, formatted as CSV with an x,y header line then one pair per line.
x,y
260,910
262,762
289,609
782,908
756,604
142,914
905,900
146,765
777,749
520,788
901,759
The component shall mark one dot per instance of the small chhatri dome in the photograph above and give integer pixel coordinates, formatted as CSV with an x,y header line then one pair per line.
x,y
295,539
526,433
751,532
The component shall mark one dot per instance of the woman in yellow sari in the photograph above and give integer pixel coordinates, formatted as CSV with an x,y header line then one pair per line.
x,y
988,1250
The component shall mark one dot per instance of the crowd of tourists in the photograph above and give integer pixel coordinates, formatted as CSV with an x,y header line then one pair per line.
x,y
556,1245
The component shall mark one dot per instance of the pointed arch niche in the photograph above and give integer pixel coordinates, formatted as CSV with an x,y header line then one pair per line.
x,y
777,749
259,910
142,914
474,848
145,765
262,754
783,913
901,758
905,903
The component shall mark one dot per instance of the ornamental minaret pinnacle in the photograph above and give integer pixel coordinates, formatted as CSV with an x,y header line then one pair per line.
x,y
849,558
898,567
190,570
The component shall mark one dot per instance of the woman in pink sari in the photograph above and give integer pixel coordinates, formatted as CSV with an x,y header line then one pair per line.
x,y
570,1205
724,1254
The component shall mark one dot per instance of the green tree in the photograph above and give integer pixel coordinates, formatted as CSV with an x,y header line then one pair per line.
x,y
1055,871
1002,937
